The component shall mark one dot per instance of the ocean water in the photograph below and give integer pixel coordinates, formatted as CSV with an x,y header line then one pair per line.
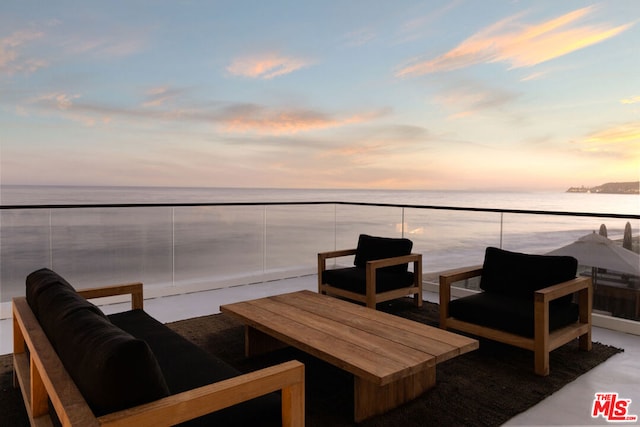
x,y
165,246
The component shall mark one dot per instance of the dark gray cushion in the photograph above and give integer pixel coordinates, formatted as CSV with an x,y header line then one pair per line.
x,y
112,369
515,315
519,275
39,281
355,279
371,248
186,366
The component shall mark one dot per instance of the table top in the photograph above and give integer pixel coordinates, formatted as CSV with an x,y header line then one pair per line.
x,y
371,344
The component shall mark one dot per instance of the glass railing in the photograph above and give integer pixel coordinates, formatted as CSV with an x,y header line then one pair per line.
x,y
179,248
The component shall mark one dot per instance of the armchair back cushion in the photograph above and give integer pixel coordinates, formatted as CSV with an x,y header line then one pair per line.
x,y
371,248
520,275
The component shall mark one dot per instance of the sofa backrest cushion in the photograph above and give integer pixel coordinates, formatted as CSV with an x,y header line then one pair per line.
x,y
112,369
371,248
38,282
520,275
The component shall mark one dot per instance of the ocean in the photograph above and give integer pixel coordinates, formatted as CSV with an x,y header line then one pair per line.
x,y
184,246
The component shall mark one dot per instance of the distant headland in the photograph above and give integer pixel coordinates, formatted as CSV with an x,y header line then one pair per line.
x,y
609,188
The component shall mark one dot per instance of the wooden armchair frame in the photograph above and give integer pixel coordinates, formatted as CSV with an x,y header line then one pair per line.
x,y
371,298
41,377
543,341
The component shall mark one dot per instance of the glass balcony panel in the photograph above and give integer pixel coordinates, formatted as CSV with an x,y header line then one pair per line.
x,y
218,243
213,246
101,246
295,234
24,247
450,239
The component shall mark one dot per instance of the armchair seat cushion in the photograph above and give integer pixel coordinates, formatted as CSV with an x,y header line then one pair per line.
x,y
509,314
354,279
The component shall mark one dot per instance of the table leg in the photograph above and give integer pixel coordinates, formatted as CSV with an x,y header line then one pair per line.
x,y
257,342
371,399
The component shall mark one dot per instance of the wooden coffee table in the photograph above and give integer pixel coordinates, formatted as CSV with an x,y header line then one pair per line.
x,y
393,359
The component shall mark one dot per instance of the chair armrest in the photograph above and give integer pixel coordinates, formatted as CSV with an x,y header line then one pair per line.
x,y
322,261
451,276
446,279
288,377
387,262
134,289
336,254
562,289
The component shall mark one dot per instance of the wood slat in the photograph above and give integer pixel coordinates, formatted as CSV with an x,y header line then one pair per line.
x,y
418,332
374,345
354,336
378,328
353,359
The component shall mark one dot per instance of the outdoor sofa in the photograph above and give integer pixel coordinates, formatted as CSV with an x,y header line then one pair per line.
x,y
79,367
526,301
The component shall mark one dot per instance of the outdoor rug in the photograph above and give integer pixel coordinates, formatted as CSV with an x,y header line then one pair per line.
x,y
485,387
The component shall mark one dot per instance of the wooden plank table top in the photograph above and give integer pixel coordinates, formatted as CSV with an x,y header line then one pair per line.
x,y
381,350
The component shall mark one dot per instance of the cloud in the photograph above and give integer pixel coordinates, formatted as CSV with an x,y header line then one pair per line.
x,y
253,118
11,58
632,100
266,66
166,104
518,44
468,99
359,37
620,141
161,95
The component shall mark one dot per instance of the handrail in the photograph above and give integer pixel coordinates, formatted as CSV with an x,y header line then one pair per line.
x,y
265,203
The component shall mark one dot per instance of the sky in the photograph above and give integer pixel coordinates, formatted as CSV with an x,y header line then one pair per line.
x,y
377,94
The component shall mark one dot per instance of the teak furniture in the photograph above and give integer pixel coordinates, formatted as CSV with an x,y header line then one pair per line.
x,y
44,381
526,302
380,272
393,359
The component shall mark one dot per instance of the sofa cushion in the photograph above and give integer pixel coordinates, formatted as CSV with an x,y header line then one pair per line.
x,y
39,281
355,279
519,275
112,369
371,248
186,366
515,315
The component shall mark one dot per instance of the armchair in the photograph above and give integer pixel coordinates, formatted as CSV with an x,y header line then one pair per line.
x,y
380,272
526,301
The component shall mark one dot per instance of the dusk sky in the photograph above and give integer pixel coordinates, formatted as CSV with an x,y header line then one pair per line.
x,y
455,94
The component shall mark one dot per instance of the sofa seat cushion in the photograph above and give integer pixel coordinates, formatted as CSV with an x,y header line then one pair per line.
x,y
355,279
520,275
515,315
186,366
371,248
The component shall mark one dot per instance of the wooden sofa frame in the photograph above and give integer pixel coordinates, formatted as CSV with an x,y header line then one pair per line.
x,y
543,341
42,377
371,298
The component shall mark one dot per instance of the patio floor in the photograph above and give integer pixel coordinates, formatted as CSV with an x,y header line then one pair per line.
x,y
571,405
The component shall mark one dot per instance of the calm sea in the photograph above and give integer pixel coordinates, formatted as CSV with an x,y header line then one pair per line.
x,y
161,246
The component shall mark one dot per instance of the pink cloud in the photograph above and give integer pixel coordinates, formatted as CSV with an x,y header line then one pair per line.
x,y
266,66
519,44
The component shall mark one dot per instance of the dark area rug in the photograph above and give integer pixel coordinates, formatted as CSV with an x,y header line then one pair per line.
x,y
483,388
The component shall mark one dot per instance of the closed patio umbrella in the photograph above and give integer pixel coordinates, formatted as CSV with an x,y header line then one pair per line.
x,y
598,251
